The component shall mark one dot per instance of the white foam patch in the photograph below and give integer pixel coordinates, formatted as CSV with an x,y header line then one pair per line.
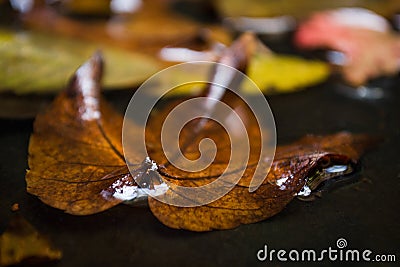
x,y
126,193
281,181
158,190
153,164
305,191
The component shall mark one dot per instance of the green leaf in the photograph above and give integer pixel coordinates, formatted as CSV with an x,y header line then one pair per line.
x,y
41,63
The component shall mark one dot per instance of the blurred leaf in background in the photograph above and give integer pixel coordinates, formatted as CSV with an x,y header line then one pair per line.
x,y
276,73
21,244
150,27
273,73
37,62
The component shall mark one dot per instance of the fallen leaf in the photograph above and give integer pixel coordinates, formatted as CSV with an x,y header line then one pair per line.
x,y
291,167
53,58
75,151
76,161
21,243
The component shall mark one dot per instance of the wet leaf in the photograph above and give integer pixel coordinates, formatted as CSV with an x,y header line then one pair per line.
x,y
21,243
75,150
291,167
36,62
76,162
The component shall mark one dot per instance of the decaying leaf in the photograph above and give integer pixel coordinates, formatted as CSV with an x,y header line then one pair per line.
x,y
21,243
292,165
75,153
54,58
76,162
